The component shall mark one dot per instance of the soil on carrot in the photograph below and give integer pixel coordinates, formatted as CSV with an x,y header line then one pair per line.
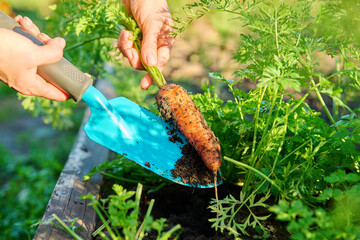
x,y
190,168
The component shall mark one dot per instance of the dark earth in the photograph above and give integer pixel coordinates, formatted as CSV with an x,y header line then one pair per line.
x,y
189,207
191,169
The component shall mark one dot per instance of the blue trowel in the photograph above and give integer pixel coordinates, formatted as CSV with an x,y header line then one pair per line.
x,y
119,124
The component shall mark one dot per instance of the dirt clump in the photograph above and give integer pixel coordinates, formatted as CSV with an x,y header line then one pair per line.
x,y
191,169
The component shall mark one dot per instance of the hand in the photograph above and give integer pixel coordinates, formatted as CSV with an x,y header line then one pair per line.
x,y
154,19
20,58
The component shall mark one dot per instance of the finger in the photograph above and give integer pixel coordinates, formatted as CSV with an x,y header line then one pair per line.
x,y
49,91
18,18
41,88
165,37
149,43
43,37
125,43
88,75
146,82
126,46
163,56
135,61
51,52
29,26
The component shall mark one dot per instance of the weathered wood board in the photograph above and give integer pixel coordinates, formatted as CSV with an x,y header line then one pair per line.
x,y
66,200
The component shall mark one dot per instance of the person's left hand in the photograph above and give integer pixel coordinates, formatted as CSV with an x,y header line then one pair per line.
x,y
154,20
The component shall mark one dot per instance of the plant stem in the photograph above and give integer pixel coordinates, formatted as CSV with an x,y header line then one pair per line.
x,y
282,141
253,155
87,41
274,96
338,66
157,188
66,227
276,31
107,226
154,71
252,169
256,119
97,231
119,178
323,104
148,212
168,234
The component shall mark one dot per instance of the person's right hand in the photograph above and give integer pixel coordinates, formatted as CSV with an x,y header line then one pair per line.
x,y
154,20
20,58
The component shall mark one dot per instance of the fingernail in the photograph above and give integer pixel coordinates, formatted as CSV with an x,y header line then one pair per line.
x,y
150,60
62,42
18,18
28,19
43,37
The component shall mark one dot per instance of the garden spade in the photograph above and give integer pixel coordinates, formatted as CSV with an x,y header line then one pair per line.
x,y
118,124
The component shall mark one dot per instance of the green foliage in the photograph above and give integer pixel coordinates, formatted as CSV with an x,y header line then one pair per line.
x,y
271,139
56,113
120,215
340,221
123,80
124,172
230,210
27,182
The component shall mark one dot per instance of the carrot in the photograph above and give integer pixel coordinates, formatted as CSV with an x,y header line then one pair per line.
x,y
175,104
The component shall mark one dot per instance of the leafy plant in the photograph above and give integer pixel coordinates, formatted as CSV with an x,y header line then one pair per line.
x,y
339,221
272,140
232,208
120,217
123,171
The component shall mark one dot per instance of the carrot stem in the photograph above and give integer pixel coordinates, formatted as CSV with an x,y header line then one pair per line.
x,y
154,71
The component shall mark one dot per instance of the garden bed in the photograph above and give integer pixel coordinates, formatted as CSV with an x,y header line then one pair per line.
x,y
189,207
293,163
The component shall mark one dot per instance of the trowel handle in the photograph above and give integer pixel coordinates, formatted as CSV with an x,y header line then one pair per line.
x,y
62,74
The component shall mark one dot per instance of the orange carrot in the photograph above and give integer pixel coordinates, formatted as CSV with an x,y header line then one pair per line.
x,y
175,104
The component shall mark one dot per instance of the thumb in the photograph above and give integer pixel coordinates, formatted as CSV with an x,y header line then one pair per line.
x,y
149,44
51,52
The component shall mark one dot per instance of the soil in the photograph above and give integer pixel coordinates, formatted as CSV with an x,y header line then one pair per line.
x,y
189,208
185,206
191,169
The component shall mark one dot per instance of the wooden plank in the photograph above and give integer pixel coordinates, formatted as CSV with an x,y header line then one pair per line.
x,y
65,200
